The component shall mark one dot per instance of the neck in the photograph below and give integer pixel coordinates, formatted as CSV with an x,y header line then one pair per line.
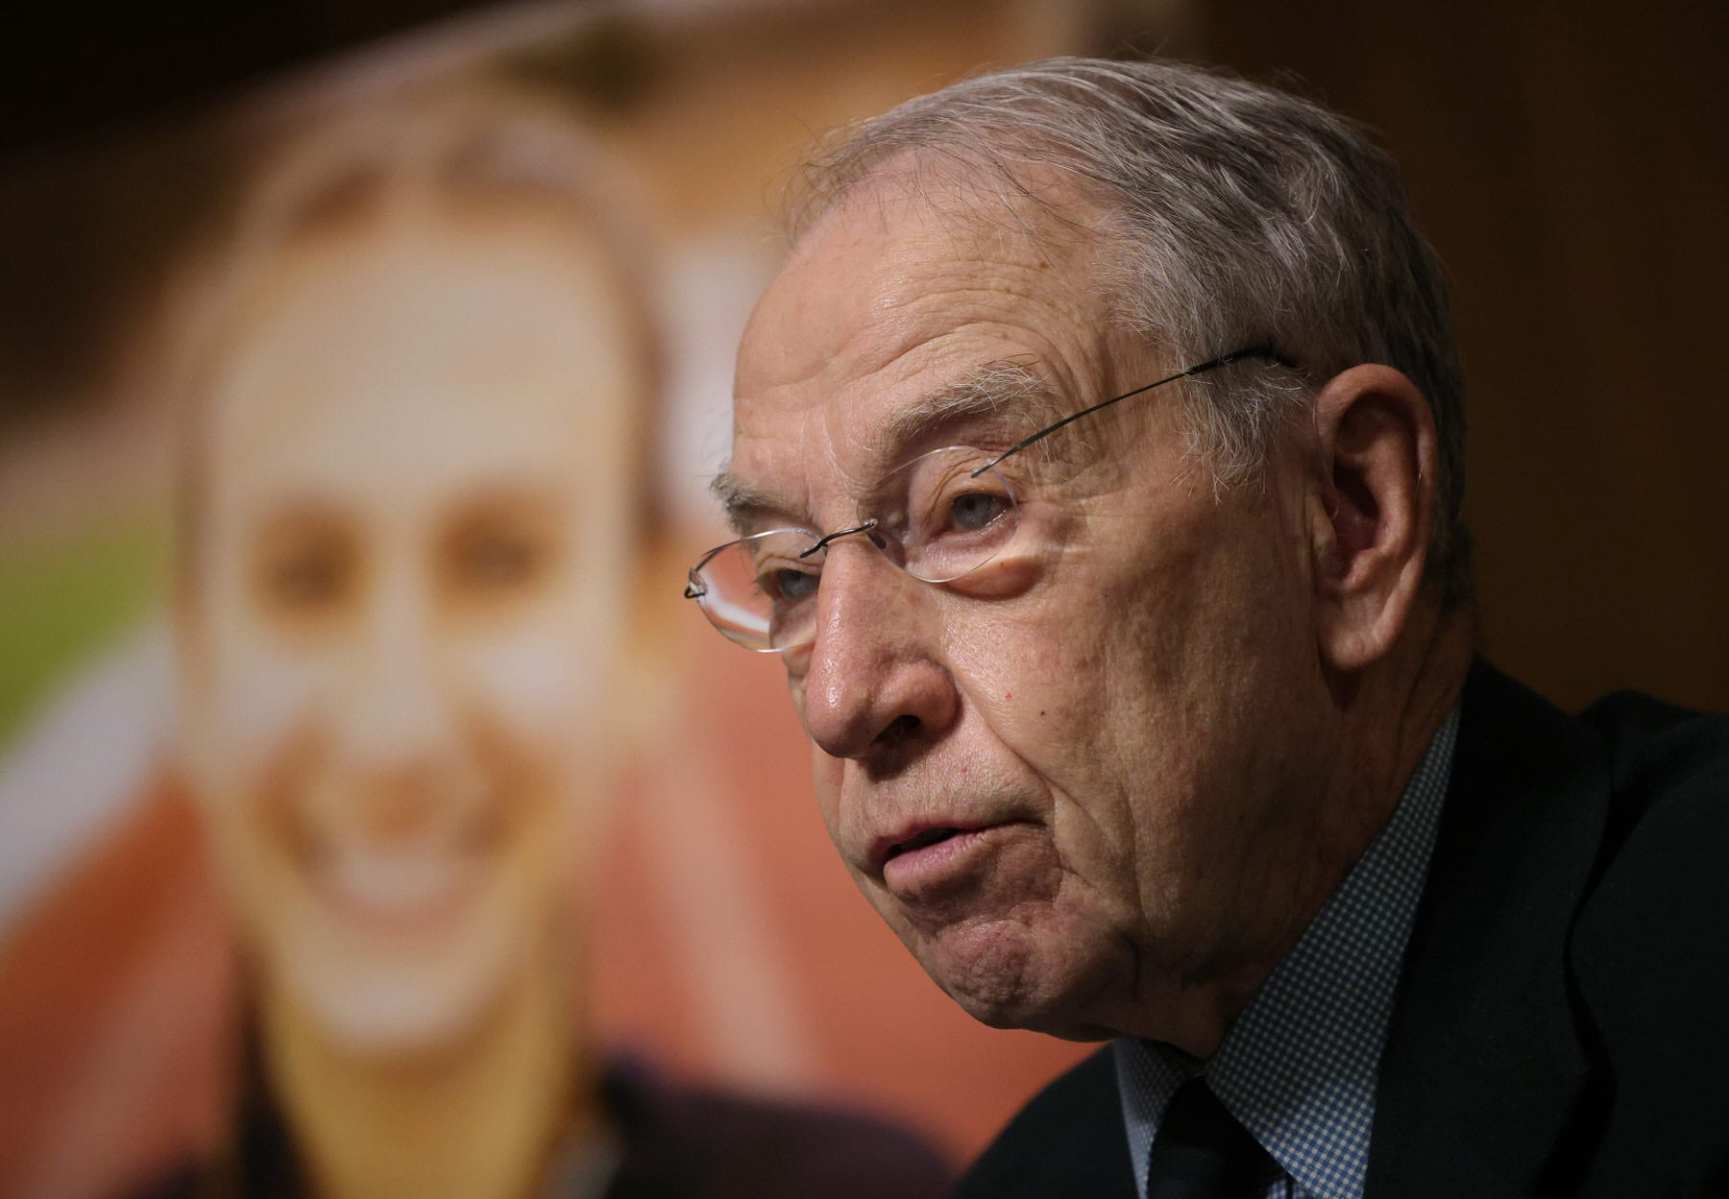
x,y
1386,719
479,1119
1389,716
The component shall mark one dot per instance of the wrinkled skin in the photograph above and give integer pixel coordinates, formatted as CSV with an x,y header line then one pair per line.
x,y
1136,725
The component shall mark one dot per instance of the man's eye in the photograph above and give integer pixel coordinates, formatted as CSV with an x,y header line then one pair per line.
x,y
974,510
789,586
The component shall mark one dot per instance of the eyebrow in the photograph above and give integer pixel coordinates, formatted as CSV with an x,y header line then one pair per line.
x,y
745,506
1005,388
1008,389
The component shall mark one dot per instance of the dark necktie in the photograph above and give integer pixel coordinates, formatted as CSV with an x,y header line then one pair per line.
x,y
1201,1152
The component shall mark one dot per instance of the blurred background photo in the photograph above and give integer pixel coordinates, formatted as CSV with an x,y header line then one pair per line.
x,y
375,818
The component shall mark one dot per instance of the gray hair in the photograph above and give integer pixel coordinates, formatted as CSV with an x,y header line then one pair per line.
x,y
1236,215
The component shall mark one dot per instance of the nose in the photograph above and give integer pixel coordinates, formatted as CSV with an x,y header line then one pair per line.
x,y
873,686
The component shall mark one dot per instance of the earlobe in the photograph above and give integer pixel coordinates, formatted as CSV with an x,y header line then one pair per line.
x,y
1374,502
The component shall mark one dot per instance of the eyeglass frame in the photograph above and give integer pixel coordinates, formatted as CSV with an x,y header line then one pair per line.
x,y
823,540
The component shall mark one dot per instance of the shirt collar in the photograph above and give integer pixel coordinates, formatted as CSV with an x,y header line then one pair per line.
x,y
1298,1066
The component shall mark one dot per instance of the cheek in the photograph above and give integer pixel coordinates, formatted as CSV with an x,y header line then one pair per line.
x,y
1037,684
827,774
1083,691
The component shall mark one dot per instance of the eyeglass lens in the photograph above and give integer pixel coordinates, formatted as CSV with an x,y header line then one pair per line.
x,y
944,522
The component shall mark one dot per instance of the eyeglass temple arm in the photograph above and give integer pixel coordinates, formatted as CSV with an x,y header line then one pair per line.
x,y
1266,352
838,534
695,589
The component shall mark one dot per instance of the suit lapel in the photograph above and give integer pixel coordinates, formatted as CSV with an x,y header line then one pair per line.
x,y
1483,1064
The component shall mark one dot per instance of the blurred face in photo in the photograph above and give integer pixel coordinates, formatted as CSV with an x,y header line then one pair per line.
x,y
414,533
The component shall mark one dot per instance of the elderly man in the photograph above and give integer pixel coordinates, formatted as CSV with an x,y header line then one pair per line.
x,y
1097,467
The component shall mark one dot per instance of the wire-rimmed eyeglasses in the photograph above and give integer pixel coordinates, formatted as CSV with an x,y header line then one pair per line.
x,y
960,513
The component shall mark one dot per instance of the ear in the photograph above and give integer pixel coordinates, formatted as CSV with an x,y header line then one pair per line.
x,y
1376,498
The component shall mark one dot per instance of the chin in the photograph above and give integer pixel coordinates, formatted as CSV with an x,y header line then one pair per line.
x,y
1011,976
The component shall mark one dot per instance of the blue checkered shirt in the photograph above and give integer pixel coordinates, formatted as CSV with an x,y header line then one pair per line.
x,y
1298,1067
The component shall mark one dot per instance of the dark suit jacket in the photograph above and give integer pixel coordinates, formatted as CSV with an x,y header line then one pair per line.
x,y
1562,1022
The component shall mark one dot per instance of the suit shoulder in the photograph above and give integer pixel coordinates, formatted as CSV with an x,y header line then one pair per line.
x,y
1669,799
1067,1140
1659,750
1657,880
1649,952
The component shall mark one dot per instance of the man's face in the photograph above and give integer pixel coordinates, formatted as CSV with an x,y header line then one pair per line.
x,y
1074,783
414,536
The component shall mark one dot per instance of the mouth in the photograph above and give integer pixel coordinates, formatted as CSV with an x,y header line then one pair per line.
x,y
910,841
923,862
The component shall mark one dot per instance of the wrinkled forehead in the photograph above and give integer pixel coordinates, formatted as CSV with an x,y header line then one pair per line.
x,y
921,306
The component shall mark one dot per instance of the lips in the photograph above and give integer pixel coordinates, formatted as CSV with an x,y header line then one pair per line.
x,y
927,862
911,840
